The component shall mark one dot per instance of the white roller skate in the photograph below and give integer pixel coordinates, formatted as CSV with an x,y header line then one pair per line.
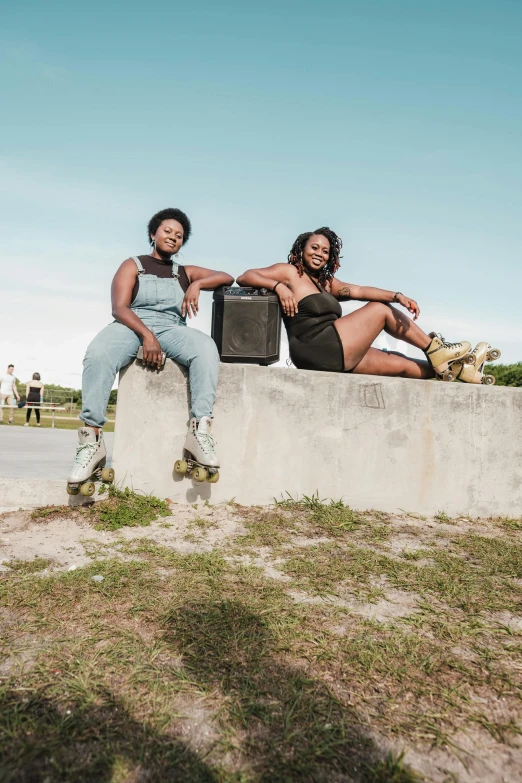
x,y
199,453
442,355
471,370
89,463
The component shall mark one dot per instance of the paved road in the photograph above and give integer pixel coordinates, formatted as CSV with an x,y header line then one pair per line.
x,y
31,453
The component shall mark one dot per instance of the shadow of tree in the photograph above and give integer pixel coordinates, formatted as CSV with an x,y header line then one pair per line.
x,y
293,727
44,744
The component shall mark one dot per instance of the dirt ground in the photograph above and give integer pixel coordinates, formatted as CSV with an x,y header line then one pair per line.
x,y
387,575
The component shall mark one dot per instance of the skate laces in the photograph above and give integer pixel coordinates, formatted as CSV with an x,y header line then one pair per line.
x,y
84,453
448,345
206,441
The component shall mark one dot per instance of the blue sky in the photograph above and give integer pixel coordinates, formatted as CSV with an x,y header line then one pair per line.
x,y
397,123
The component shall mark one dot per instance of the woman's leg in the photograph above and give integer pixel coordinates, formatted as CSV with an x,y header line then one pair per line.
x,y
37,414
198,352
358,330
28,415
113,348
376,362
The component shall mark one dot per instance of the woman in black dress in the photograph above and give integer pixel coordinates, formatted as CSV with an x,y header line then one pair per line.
x,y
321,338
34,393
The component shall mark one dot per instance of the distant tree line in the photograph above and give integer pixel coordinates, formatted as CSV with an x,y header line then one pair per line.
x,y
506,374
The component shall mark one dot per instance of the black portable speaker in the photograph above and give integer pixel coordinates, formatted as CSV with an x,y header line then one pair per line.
x,y
246,325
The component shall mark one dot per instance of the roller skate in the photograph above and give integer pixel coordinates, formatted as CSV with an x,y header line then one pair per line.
x,y
199,453
89,464
442,355
471,370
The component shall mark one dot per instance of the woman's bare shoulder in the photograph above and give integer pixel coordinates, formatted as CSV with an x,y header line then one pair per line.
x,y
128,267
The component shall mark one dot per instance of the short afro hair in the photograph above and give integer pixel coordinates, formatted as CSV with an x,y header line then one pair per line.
x,y
169,214
295,256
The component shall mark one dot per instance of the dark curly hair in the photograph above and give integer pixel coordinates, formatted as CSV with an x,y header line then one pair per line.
x,y
295,256
169,214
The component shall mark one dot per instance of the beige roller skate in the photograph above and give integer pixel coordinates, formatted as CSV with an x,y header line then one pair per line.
x,y
89,464
199,458
442,355
471,370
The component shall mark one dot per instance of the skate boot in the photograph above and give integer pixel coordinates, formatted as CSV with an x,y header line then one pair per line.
x,y
199,459
441,355
89,463
471,370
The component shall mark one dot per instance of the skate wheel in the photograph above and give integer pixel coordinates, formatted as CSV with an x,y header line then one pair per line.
x,y
107,475
448,375
180,466
87,489
72,490
200,474
488,380
470,359
493,355
214,478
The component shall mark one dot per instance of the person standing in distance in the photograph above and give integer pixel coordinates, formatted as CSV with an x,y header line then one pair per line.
x,y
34,393
8,390
151,298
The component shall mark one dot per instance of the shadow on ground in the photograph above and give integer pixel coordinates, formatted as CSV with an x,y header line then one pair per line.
x,y
294,728
285,725
93,743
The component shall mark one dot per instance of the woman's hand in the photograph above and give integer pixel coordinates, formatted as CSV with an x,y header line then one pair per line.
x,y
410,305
190,304
152,353
287,300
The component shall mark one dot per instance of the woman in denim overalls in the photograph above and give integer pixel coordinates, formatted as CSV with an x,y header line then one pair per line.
x,y
153,316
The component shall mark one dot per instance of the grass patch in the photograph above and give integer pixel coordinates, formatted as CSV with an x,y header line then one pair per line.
x,y
443,518
25,567
393,770
125,508
195,667
122,508
327,517
62,420
106,696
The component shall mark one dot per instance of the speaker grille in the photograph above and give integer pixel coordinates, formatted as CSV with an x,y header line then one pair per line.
x,y
245,335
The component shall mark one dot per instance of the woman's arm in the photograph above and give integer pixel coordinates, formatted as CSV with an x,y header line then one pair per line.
x,y
42,390
201,279
121,296
361,293
269,277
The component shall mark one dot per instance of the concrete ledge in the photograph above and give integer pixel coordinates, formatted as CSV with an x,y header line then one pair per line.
x,y
29,493
384,443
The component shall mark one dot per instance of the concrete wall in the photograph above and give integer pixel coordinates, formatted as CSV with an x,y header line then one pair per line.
x,y
384,443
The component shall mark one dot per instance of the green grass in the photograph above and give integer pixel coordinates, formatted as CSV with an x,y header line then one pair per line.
x,y
28,566
63,420
196,667
121,508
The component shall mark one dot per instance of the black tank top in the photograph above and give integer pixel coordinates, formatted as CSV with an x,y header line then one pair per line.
x,y
34,394
314,312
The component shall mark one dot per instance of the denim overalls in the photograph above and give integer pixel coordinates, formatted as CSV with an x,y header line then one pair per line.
x,y
158,305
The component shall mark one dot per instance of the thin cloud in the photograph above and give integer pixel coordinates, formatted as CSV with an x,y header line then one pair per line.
x,y
25,55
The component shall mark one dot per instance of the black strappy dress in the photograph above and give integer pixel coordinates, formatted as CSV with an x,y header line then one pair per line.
x,y
313,340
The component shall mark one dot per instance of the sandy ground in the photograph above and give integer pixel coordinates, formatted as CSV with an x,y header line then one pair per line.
x,y
71,543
